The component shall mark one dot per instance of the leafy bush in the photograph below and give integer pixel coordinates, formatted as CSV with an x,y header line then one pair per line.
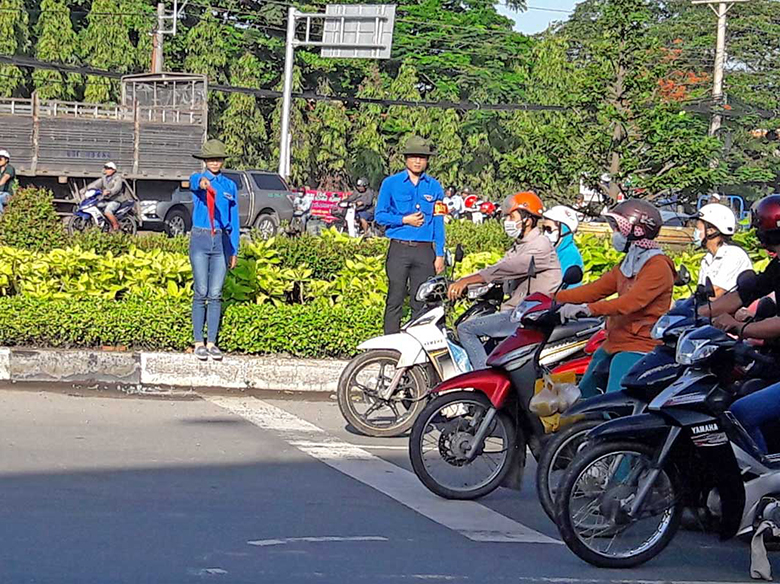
x,y
30,221
488,236
313,330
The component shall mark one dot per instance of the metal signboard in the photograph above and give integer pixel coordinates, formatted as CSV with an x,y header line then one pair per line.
x,y
358,31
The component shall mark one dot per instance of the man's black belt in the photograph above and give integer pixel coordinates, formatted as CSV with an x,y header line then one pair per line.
x,y
413,243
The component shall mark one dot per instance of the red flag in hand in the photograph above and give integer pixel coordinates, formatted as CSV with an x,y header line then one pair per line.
x,y
211,196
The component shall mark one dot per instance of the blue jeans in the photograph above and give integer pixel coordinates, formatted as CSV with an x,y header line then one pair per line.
x,y
496,326
3,200
209,256
606,371
757,409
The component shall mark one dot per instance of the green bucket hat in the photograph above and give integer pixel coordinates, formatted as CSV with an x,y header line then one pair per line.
x,y
419,146
211,149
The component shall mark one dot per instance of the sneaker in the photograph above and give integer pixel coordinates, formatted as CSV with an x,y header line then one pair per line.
x,y
202,353
215,353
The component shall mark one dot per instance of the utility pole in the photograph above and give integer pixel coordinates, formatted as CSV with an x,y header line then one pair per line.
x,y
157,40
348,31
720,8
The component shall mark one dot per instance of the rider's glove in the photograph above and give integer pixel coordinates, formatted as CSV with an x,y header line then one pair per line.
x,y
573,311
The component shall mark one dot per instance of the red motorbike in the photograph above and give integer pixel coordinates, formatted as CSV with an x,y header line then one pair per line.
x,y
472,437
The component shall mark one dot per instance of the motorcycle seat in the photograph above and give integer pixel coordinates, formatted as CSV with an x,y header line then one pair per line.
x,y
580,327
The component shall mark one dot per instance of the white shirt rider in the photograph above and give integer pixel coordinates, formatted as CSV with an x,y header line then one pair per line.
x,y
723,268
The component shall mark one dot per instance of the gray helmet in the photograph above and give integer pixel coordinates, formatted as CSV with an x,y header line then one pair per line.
x,y
362,182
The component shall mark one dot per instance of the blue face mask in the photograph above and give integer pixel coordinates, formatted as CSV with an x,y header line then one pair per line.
x,y
619,242
698,238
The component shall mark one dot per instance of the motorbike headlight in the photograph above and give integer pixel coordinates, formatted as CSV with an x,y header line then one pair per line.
x,y
475,292
522,308
663,323
428,289
691,351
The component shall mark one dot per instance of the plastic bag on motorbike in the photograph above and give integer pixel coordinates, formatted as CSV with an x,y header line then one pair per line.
x,y
553,395
460,357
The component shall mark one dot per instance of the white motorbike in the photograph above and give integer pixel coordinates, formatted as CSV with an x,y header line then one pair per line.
x,y
383,389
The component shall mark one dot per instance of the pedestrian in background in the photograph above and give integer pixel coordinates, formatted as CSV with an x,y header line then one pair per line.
x,y
7,176
407,206
213,244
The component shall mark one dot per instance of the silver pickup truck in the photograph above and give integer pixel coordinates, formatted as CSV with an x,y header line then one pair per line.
x,y
264,200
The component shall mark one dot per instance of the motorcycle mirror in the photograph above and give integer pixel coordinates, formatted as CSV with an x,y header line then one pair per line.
x,y
532,269
683,277
459,253
709,289
448,257
766,309
572,276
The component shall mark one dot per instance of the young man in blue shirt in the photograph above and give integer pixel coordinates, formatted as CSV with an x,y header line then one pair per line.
x,y
213,244
410,206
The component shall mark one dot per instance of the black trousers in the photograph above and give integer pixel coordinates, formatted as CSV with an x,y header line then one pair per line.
x,y
407,267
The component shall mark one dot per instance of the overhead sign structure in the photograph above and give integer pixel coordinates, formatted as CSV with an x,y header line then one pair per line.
x,y
344,31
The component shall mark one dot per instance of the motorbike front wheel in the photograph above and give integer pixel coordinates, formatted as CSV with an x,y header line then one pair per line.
x,y
556,457
128,224
361,400
444,435
594,501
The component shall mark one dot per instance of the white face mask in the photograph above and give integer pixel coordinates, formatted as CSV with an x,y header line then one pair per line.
x,y
619,242
698,238
512,229
554,237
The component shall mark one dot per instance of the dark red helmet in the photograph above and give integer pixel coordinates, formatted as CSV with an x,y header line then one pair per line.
x,y
644,219
765,219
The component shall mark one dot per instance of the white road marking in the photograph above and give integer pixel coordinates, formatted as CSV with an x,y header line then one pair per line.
x,y
542,580
468,518
326,539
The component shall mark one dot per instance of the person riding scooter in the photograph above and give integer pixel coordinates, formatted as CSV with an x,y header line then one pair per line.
x,y
643,282
522,213
364,200
724,262
559,226
761,407
112,189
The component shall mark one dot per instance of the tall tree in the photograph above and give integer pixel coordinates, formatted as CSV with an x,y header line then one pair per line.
x,y
106,45
13,41
243,125
368,147
301,139
56,42
403,121
330,126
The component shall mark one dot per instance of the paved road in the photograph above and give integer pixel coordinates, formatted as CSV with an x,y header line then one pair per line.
x,y
98,487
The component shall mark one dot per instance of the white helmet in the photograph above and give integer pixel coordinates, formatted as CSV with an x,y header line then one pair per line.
x,y
5,154
565,215
720,217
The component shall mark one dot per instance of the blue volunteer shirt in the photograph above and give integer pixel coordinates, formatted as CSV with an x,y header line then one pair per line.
x,y
225,205
399,196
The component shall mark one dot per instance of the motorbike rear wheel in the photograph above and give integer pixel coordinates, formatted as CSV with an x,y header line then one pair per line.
x,y
77,224
556,457
593,502
361,384
442,437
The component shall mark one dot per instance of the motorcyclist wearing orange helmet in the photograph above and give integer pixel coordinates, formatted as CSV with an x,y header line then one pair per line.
x,y
522,213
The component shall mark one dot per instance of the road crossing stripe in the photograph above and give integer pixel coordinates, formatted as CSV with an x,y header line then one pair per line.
x,y
470,519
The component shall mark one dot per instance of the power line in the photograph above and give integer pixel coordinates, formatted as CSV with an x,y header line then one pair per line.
x,y
272,94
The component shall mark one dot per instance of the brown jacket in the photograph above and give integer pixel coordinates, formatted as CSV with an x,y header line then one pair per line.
x,y
641,301
513,268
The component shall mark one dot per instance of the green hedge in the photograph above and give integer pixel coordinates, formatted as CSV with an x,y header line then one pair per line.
x,y
311,330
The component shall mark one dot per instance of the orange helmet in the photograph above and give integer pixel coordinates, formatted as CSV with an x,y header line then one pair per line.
x,y
527,201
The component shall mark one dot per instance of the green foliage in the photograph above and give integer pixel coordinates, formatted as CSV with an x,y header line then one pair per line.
x,y
30,221
106,44
489,236
57,42
298,330
13,40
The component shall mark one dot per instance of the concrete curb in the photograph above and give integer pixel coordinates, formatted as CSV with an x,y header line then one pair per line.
x,y
145,371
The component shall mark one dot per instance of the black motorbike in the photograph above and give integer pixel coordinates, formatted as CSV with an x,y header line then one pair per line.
x,y
621,501
646,379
